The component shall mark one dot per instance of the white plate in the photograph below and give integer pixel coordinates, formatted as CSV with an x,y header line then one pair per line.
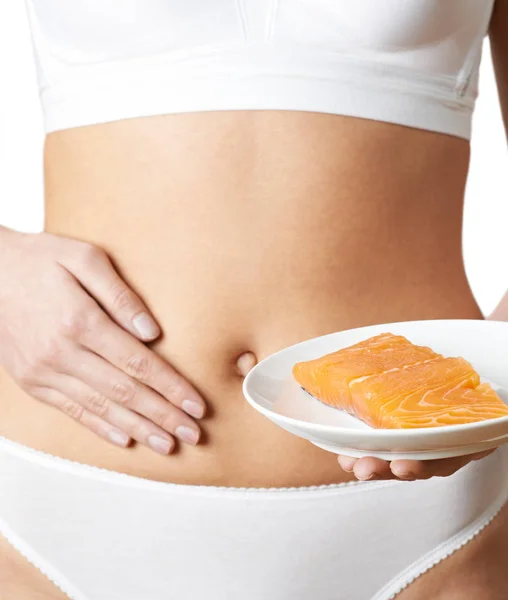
x,y
271,389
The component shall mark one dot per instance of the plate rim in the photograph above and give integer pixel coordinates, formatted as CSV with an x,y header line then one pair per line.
x,y
376,432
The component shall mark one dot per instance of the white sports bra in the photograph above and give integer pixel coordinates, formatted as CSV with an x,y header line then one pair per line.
x,y
412,62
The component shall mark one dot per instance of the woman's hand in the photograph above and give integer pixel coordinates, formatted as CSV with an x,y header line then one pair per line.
x,y
369,468
68,329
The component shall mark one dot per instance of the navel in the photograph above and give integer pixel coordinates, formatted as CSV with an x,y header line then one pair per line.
x,y
245,362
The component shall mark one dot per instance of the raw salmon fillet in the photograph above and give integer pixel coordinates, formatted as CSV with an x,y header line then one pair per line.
x,y
386,381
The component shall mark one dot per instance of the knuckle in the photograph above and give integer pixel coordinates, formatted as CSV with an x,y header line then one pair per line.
x,y
169,423
74,324
73,409
124,392
123,297
163,418
90,254
174,388
98,404
140,431
51,352
80,321
138,366
93,318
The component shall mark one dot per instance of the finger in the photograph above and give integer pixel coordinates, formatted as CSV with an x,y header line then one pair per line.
x,y
346,462
118,387
425,469
100,427
139,362
369,467
92,267
409,469
92,401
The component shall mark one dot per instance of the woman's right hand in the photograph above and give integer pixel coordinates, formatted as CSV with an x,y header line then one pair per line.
x,y
68,329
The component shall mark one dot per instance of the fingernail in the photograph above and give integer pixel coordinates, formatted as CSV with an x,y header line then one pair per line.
x,y
193,408
187,434
159,444
347,463
371,476
146,326
118,437
409,475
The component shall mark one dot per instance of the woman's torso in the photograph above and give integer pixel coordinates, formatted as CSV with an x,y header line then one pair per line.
x,y
250,231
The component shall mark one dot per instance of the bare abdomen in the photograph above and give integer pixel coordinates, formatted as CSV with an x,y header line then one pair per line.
x,y
251,231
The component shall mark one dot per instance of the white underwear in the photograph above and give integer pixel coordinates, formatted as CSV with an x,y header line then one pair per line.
x,y
103,535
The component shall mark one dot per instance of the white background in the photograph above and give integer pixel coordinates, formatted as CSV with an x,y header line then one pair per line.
x,y
21,139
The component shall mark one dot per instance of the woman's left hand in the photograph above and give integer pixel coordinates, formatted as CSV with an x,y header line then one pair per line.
x,y
370,468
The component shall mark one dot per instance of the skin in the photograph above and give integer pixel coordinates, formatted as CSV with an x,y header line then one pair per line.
x,y
242,233
265,187
372,468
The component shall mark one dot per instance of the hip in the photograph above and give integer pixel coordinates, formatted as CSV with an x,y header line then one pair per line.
x,y
239,446
238,538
